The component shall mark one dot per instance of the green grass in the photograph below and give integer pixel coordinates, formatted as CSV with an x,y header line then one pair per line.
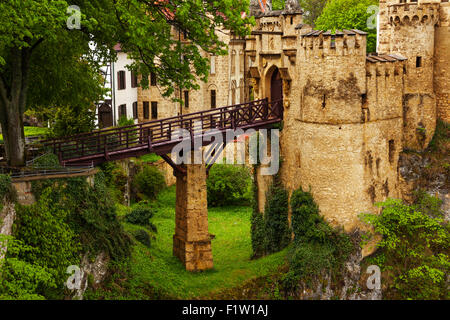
x,y
31,132
151,157
159,269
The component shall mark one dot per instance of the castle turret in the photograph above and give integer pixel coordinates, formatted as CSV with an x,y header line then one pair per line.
x,y
411,33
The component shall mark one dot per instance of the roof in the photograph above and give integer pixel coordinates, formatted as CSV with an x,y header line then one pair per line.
x,y
384,58
315,33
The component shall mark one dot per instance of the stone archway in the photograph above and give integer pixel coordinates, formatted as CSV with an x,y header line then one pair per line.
x,y
274,84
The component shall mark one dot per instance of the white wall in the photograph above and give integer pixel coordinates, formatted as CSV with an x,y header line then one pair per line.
x,y
127,96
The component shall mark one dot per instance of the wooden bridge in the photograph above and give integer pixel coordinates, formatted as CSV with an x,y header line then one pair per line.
x,y
156,136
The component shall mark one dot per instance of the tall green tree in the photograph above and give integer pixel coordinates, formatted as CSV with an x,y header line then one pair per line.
x,y
34,34
350,14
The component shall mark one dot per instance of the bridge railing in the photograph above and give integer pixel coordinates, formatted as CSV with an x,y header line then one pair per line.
x,y
159,132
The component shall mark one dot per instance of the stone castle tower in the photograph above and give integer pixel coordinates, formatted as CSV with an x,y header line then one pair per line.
x,y
348,115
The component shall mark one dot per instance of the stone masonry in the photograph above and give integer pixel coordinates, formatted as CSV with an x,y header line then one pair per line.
x,y
192,241
348,114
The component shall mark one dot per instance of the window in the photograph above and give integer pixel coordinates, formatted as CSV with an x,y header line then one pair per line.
x,y
121,80
213,65
153,79
292,20
418,62
122,110
146,110
135,110
154,110
186,99
391,151
213,99
134,80
233,62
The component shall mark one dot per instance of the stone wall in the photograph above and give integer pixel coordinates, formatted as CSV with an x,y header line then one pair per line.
x,y
192,241
441,63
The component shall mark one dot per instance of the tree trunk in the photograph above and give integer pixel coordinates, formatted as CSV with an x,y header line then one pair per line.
x,y
13,136
13,95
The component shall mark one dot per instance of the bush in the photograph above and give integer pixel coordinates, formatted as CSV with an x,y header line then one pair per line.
x,y
317,246
228,185
44,228
276,221
116,179
7,191
48,160
414,248
143,237
270,231
141,215
21,280
125,122
148,183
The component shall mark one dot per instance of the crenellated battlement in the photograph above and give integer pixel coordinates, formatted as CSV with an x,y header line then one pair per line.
x,y
413,13
319,44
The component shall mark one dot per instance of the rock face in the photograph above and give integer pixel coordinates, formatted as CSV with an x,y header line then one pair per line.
x,y
95,270
416,172
7,217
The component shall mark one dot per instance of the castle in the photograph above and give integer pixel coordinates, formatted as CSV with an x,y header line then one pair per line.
x,y
347,114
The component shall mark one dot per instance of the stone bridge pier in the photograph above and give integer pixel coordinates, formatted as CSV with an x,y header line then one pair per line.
x,y
192,241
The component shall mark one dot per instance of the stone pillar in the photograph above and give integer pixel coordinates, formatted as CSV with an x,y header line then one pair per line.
x,y
192,241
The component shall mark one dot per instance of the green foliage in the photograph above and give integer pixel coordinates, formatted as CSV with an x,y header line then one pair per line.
x,y
349,14
115,179
143,237
414,248
317,246
44,228
228,185
276,220
141,215
48,160
67,121
7,191
148,183
441,138
124,121
92,214
270,232
19,279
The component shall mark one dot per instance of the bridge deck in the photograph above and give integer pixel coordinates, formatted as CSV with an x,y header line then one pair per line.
x,y
156,136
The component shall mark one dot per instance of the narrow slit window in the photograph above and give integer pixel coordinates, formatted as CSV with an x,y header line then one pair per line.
x,y
146,110
418,62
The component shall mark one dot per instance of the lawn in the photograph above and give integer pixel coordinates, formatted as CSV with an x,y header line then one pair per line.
x,y
31,132
231,251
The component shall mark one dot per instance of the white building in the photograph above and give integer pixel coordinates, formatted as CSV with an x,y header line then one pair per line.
x,y
124,93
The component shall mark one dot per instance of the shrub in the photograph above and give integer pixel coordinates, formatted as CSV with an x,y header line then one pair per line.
x,y
270,232
7,191
228,185
116,179
143,237
21,280
317,246
148,183
44,228
276,221
141,215
414,248
48,160
124,121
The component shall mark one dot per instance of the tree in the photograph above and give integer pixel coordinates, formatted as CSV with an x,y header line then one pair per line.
x,y
349,14
311,8
34,34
